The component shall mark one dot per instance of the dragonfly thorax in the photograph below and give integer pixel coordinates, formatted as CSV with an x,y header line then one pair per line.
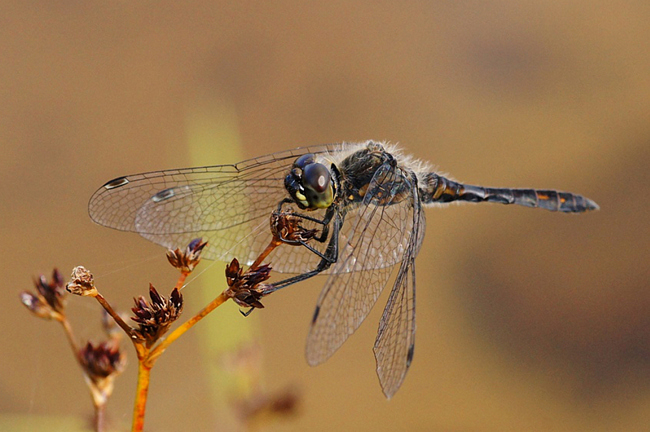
x,y
309,183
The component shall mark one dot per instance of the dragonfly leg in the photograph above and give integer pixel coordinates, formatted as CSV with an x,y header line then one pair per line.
x,y
315,251
327,259
247,313
325,222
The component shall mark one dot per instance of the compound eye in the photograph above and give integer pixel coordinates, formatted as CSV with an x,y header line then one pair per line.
x,y
304,160
316,177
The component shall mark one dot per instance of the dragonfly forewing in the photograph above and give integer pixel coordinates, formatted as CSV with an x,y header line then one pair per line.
x,y
228,205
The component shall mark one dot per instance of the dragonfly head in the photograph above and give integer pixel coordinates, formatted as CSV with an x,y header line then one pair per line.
x,y
310,183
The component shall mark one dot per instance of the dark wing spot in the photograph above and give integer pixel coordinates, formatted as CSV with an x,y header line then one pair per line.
x,y
409,355
316,312
163,195
115,183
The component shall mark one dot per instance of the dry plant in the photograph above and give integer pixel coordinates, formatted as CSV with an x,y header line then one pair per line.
x,y
102,363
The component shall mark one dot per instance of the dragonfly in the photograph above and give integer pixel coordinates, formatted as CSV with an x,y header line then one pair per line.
x,y
365,201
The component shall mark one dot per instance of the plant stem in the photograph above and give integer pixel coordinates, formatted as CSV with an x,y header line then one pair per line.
x,y
99,399
272,245
100,410
118,319
70,336
144,370
147,358
162,346
181,280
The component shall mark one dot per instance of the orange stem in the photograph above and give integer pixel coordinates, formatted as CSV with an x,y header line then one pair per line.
x,y
147,358
144,371
162,346
274,243
181,280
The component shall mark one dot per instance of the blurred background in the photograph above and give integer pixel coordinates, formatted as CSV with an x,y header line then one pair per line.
x,y
527,320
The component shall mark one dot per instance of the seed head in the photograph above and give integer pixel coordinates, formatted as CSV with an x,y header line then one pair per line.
x,y
246,288
285,226
101,364
102,360
155,317
81,283
188,259
48,301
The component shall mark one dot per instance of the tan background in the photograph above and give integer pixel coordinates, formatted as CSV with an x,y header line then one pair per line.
x,y
527,320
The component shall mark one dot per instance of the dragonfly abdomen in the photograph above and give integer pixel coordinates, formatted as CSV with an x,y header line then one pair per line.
x,y
437,189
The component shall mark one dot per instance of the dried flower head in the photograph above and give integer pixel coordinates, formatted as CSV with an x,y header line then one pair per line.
x,y
101,364
48,301
155,317
285,226
102,360
81,282
188,259
36,306
246,288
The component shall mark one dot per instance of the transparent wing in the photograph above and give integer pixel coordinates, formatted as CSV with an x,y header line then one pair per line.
x,y
396,335
378,233
229,205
